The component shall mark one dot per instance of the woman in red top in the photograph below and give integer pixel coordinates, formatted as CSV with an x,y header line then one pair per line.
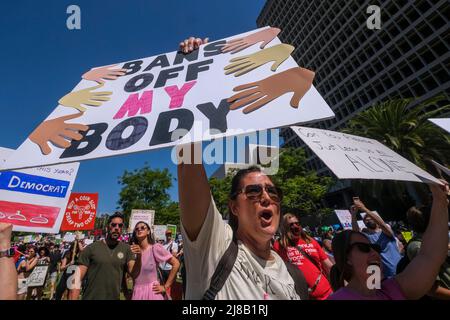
x,y
300,249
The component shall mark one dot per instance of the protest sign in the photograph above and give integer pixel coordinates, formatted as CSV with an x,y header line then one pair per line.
x,y
173,229
80,212
161,101
28,239
441,168
444,123
137,215
69,237
354,157
345,218
159,232
38,276
33,200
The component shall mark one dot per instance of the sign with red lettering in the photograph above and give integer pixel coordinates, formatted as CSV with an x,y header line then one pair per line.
x,y
81,211
229,87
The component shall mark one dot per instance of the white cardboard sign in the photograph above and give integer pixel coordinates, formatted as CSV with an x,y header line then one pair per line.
x,y
444,123
137,215
38,276
34,199
354,157
174,92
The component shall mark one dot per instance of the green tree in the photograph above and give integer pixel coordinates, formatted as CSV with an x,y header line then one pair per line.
x,y
302,190
405,129
147,188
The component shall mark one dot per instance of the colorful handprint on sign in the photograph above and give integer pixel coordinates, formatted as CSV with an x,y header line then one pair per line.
x,y
242,65
257,94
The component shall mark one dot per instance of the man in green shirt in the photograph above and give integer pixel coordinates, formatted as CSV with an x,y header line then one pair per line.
x,y
104,263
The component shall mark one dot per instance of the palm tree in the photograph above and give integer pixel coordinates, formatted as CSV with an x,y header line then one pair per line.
x,y
407,131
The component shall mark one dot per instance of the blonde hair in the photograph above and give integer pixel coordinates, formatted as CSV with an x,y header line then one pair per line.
x,y
286,234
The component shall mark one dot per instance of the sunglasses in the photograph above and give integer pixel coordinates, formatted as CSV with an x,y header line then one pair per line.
x,y
294,223
120,225
255,191
142,228
365,247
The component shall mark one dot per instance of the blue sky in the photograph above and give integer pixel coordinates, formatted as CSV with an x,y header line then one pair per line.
x,y
42,60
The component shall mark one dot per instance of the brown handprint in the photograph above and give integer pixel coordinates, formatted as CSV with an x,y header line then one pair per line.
x,y
240,44
85,96
259,93
57,132
245,64
98,74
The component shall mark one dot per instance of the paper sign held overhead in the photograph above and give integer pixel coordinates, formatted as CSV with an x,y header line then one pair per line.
x,y
34,199
237,85
354,157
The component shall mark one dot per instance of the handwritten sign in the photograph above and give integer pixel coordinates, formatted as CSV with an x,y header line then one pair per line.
x,y
173,229
80,212
34,199
354,157
216,91
147,216
38,276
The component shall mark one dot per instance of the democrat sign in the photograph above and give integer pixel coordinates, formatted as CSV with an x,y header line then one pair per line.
x,y
236,85
34,199
354,157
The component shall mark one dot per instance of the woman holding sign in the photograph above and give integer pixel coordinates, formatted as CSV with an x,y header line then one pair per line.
x,y
24,270
148,283
357,274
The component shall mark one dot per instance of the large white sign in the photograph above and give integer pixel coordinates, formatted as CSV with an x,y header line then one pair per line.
x,y
38,276
354,157
237,85
34,199
147,216
444,123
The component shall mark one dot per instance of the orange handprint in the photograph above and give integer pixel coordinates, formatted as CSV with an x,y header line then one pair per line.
x,y
259,93
240,44
98,74
57,132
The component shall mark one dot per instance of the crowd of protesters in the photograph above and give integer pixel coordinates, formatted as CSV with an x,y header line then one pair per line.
x,y
258,254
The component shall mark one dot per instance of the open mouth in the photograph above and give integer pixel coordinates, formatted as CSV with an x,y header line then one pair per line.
x,y
266,217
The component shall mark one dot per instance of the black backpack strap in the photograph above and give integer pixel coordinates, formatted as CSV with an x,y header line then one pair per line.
x,y
301,287
222,271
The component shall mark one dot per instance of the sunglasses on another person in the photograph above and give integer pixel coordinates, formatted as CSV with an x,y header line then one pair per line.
x,y
141,228
120,225
294,223
365,247
255,191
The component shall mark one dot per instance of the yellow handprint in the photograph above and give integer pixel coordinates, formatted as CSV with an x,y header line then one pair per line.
x,y
245,64
85,96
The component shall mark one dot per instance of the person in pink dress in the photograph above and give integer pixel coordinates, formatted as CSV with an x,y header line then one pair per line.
x,y
147,286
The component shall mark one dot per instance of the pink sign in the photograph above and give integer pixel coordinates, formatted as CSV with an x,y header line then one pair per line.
x,y
28,215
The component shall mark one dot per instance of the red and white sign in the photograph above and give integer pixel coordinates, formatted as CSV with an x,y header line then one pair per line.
x,y
28,215
81,211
